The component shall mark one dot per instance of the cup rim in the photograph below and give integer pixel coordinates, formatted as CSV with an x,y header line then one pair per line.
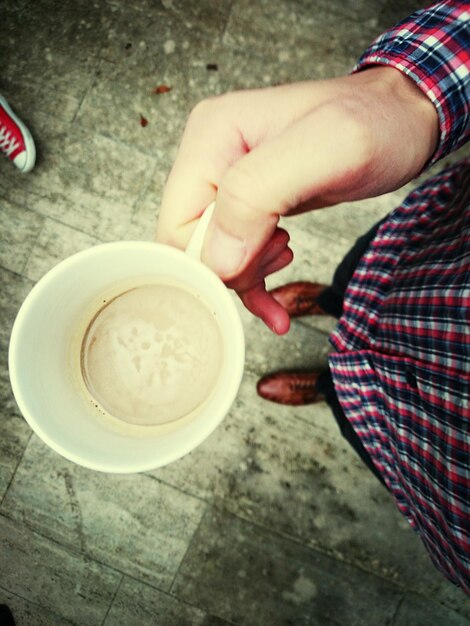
x,y
14,360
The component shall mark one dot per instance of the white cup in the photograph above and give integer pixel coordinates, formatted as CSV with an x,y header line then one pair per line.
x,y
45,345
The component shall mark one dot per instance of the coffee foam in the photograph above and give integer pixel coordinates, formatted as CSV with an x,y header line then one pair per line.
x,y
152,355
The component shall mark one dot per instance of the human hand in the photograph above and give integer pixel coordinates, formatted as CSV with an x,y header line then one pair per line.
x,y
284,150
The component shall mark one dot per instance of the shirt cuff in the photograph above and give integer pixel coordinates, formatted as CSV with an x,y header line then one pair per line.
x,y
431,48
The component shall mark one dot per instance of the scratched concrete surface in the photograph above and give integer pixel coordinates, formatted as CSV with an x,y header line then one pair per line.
x,y
273,520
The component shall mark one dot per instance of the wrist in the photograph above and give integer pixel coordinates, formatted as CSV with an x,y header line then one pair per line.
x,y
412,105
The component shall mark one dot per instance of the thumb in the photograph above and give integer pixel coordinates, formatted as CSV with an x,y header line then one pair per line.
x,y
275,177
238,230
246,214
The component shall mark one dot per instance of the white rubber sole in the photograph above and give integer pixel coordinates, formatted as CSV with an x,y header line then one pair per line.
x,y
30,153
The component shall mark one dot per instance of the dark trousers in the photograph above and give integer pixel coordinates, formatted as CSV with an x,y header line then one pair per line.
x,y
331,301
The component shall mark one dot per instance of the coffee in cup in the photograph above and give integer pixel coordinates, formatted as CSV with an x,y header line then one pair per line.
x,y
152,354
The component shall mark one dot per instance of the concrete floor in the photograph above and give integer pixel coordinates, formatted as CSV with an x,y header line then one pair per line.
x,y
272,520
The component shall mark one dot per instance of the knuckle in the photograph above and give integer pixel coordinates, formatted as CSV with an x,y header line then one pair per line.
x,y
201,110
208,110
201,118
208,120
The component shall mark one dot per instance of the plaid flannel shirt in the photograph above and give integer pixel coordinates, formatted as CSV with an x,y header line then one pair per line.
x,y
401,364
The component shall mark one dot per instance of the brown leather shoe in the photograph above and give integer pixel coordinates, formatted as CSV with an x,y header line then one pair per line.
x,y
294,388
300,298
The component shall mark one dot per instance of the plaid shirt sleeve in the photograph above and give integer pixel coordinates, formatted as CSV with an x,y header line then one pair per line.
x,y
432,47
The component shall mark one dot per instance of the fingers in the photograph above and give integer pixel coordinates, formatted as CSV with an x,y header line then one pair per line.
x,y
250,285
273,257
261,303
281,261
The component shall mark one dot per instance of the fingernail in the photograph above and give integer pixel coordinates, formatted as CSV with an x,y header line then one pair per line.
x,y
223,252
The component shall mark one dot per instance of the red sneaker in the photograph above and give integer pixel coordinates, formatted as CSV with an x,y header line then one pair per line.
x,y
16,141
